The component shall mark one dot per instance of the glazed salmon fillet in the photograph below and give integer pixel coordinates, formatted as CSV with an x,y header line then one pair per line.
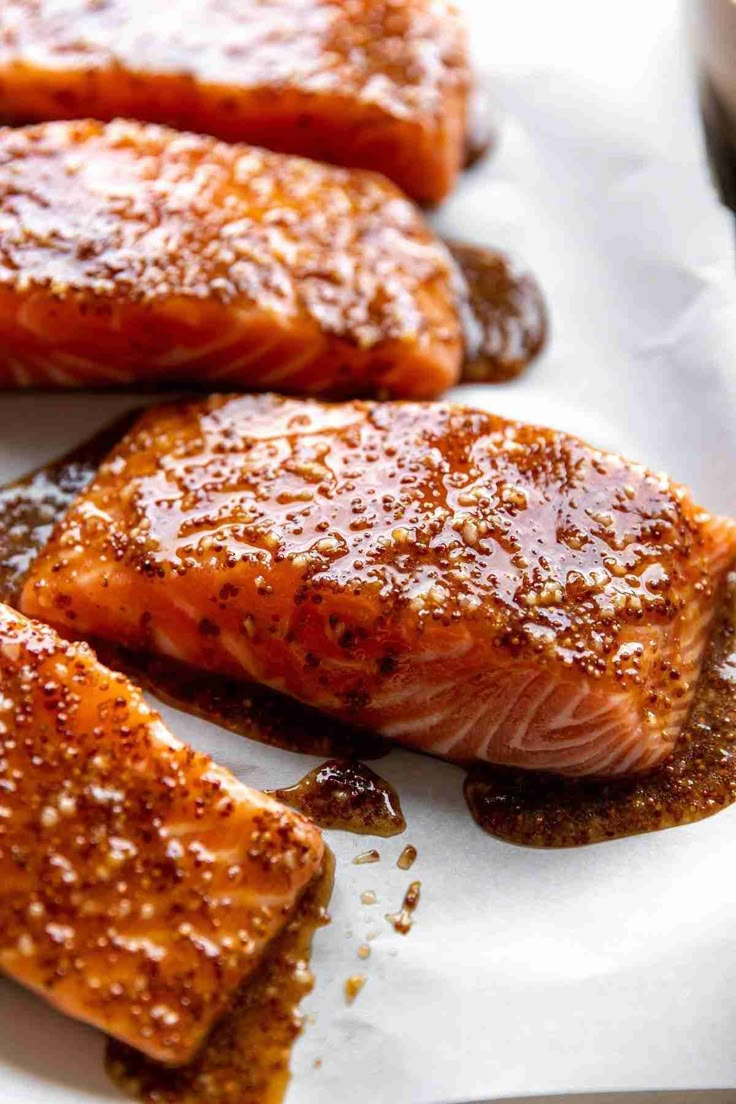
x,y
139,882
135,254
469,586
370,84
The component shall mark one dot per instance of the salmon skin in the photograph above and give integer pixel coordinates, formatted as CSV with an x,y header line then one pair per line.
x,y
135,254
371,84
469,586
139,882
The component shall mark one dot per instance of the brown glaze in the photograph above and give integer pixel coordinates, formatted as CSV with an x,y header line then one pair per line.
x,y
504,315
139,882
370,83
353,986
246,1058
136,254
470,586
347,796
31,506
403,920
698,780
407,858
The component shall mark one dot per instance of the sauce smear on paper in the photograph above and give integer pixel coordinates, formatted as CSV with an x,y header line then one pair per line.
x,y
246,1058
347,796
504,315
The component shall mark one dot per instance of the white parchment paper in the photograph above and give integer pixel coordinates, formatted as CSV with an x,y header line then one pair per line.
x,y
612,967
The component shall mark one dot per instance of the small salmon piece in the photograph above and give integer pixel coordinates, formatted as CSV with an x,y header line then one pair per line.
x,y
135,254
371,84
139,882
470,586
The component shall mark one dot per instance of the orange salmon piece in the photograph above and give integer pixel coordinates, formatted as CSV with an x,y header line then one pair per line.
x,y
133,254
371,84
139,882
469,586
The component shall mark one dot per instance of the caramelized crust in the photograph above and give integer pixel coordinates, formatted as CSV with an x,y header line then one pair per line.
x,y
376,84
131,253
465,584
139,882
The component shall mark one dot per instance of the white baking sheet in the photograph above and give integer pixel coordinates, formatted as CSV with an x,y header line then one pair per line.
x,y
612,967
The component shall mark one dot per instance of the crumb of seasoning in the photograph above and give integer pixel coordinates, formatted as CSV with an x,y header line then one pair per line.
x,y
368,897
371,856
353,986
364,951
407,858
402,920
317,1063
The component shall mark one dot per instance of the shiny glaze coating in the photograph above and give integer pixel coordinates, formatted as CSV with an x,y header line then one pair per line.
x,y
132,253
139,882
472,586
377,84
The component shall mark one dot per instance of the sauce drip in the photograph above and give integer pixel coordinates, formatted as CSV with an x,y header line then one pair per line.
x,y
371,856
403,920
407,858
246,1058
698,780
353,986
503,312
31,506
347,796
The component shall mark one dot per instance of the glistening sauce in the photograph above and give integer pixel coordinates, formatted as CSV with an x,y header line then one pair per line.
x,y
31,506
347,796
246,1058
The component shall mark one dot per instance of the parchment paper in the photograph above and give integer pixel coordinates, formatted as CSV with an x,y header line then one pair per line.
x,y
612,967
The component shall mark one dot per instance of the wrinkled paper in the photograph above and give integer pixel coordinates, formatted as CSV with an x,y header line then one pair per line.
x,y
611,967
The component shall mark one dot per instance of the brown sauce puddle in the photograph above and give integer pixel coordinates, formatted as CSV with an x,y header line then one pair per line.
x,y
503,312
349,797
246,1058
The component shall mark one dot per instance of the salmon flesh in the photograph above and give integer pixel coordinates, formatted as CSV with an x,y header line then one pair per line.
x,y
472,587
371,84
133,254
139,882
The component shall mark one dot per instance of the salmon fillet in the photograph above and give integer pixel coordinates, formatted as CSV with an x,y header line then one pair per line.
x,y
135,254
370,84
467,585
139,882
